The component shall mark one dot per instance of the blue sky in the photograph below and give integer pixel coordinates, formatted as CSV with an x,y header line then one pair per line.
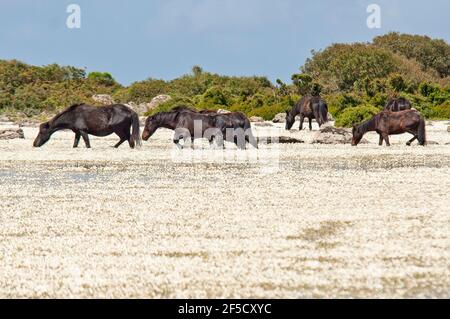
x,y
138,39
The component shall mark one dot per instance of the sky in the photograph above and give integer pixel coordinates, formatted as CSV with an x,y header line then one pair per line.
x,y
138,39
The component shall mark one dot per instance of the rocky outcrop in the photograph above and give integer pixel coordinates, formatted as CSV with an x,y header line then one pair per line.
x,y
256,119
140,109
330,117
157,101
104,99
143,108
11,133
280,118
280,140
334,135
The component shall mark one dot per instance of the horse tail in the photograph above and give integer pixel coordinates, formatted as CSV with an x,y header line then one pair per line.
x,y
323,113
136,134
421,136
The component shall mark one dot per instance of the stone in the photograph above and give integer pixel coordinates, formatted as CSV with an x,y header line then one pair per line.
x,y
256,119
157,101
280,140
104,99
448,129
334,135
140,109
432,143
13,133
263,124
4,119
330,117
220,111
279,118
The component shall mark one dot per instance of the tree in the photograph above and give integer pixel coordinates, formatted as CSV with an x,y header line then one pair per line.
x,y
430,53
102,78
197,70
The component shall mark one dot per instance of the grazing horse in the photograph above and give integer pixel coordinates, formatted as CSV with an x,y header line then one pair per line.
x,y
308,107
391,123
396,105
83,120
213,126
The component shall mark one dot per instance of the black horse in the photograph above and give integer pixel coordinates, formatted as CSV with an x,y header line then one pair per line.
x,y
396,105
83,120
311,107
391,123
213,126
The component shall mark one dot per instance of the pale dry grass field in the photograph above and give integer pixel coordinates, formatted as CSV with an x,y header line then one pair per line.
x,y
331,221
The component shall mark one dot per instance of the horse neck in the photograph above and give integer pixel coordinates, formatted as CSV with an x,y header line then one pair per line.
x,y
61,122
167,121
369,125
296,109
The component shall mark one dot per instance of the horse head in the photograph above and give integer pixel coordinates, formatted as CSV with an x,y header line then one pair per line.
x,y
44,134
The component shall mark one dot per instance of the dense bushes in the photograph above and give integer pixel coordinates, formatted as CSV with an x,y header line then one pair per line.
x,y
430,53
355,115
354,79
32,90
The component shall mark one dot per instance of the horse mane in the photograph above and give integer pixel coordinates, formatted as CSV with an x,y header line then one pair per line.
x,y
365,126
162,116
70,108
182,108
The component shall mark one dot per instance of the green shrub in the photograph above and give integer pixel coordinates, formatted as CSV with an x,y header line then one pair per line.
x,y
339,102
356,115
441,112
102,78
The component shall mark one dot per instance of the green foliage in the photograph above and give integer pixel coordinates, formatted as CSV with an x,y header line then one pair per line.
x,y
430,53
441,112
397,82
354,79
341,65
104,78
356,115
339,102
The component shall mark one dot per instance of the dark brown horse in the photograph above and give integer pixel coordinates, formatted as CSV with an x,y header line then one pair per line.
x,y
311,107
396,105
391,123
83,120
188,123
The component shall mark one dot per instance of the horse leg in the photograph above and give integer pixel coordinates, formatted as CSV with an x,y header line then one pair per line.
x,y
381,140
120,142
131,142
77,139
310,124
386,139
85,137
412,140
302,119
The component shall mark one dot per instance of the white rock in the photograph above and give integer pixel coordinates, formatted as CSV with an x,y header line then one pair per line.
x,y
104,99
157,100
9,134
256,119
279,118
